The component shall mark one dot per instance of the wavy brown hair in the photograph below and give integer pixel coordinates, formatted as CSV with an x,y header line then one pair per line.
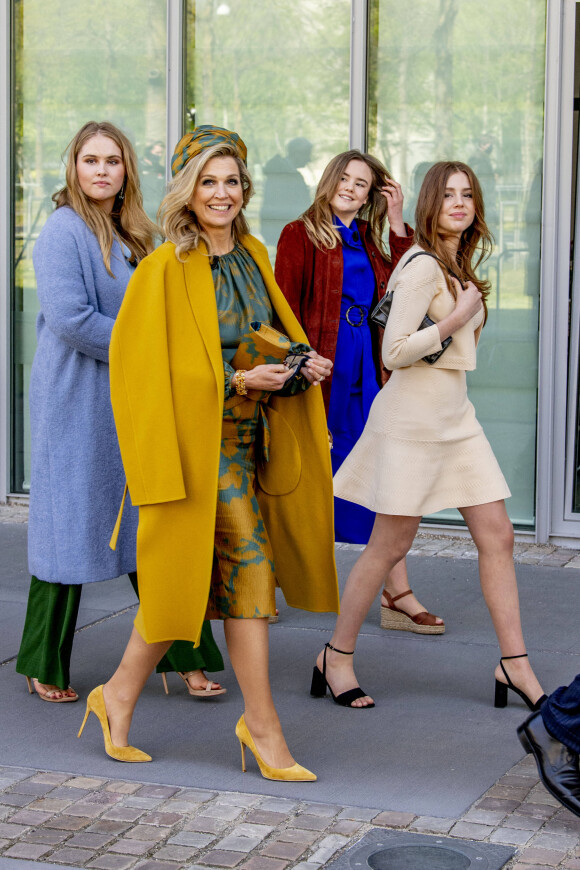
x,y
179,223
318,218
128,219
476,241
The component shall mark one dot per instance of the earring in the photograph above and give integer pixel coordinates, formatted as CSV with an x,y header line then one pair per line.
x,y
121,194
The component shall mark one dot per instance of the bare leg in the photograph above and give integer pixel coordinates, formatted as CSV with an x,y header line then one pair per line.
x,y
398,582
247,641
391,538
493,535
122,691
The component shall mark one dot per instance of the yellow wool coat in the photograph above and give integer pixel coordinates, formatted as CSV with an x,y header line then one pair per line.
x,y
167,390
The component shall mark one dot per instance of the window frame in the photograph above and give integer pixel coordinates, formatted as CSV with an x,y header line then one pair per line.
x,y
553,522
6,235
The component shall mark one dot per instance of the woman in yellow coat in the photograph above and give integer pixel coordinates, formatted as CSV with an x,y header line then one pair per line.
x,y
226,454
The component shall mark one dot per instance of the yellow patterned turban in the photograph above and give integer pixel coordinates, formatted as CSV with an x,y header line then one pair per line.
x,y
204,137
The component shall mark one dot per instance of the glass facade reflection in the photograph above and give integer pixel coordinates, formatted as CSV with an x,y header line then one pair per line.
x,y
74,62
445,79
279,76
465,81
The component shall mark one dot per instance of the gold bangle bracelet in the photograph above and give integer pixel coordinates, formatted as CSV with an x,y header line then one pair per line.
x,y
241,388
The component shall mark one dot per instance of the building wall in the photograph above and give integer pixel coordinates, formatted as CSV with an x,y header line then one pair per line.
x,y
448,79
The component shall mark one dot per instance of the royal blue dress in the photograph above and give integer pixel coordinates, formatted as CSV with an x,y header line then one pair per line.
x,y
354,376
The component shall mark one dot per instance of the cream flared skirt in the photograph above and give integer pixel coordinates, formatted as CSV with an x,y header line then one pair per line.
x,y
422,449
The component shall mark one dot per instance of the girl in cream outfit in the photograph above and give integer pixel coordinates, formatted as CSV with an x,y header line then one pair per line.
x,y
422,448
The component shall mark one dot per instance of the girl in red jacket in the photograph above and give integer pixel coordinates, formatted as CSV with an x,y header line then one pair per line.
x,y
333,268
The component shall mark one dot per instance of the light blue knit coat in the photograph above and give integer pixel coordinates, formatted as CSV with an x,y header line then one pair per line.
x,y
77,476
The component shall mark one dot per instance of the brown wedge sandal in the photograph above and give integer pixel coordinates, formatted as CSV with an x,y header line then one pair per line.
x,y
421,623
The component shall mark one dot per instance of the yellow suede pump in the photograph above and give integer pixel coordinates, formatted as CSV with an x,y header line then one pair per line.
x,y
96,705
296,773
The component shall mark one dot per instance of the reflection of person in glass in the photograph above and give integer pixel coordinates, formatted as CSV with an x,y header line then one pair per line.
x,y
286,194
532,233
417,176
422,449
83,259
152,171
480,162
188,424
333,268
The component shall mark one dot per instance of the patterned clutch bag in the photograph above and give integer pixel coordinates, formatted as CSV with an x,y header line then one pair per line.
x,y
263,345
278,465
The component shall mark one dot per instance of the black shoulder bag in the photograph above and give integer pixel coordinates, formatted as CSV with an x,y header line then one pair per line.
x,y
380,313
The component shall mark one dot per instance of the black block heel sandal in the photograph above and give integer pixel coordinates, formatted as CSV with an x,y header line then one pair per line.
x,y
501,689
320,684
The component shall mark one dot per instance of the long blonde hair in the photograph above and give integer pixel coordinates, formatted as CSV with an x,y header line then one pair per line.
x,y
128,219
476,240
318,218
179,223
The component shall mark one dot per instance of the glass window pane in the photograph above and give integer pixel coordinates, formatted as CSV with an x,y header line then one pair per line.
x,y
279,76
75,62
466,82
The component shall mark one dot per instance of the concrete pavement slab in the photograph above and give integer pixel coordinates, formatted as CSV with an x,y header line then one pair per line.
x,y
430,749
98,600
433,744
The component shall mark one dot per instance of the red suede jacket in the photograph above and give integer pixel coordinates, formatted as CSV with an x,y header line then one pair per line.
x,y
311,280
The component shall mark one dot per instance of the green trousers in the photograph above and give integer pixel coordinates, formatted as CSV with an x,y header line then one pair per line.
x,y
47,638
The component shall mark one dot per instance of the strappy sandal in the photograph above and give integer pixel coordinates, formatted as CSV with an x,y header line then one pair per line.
x,y
421,623
208,692
501,689
49,694
320,684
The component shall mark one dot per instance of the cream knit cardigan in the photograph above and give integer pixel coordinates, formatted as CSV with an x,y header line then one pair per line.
x,y
420,288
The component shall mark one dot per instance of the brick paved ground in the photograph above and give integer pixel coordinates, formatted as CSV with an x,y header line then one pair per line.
x,y
13,513
116,825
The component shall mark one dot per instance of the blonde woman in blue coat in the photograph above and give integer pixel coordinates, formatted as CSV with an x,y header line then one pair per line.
x,y
83,260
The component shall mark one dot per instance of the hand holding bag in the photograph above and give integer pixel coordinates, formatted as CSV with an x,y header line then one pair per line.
x,y
263,345
380,313
278,465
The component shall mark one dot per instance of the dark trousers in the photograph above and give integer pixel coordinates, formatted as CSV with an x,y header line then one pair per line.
x,y
47,638
561,714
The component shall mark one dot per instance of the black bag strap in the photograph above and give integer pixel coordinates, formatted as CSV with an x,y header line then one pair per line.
x,y
435,257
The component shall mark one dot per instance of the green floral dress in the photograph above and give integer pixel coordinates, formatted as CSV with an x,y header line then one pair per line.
x,y
243,577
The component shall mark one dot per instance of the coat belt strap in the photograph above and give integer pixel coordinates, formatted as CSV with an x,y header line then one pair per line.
x,y
115,535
